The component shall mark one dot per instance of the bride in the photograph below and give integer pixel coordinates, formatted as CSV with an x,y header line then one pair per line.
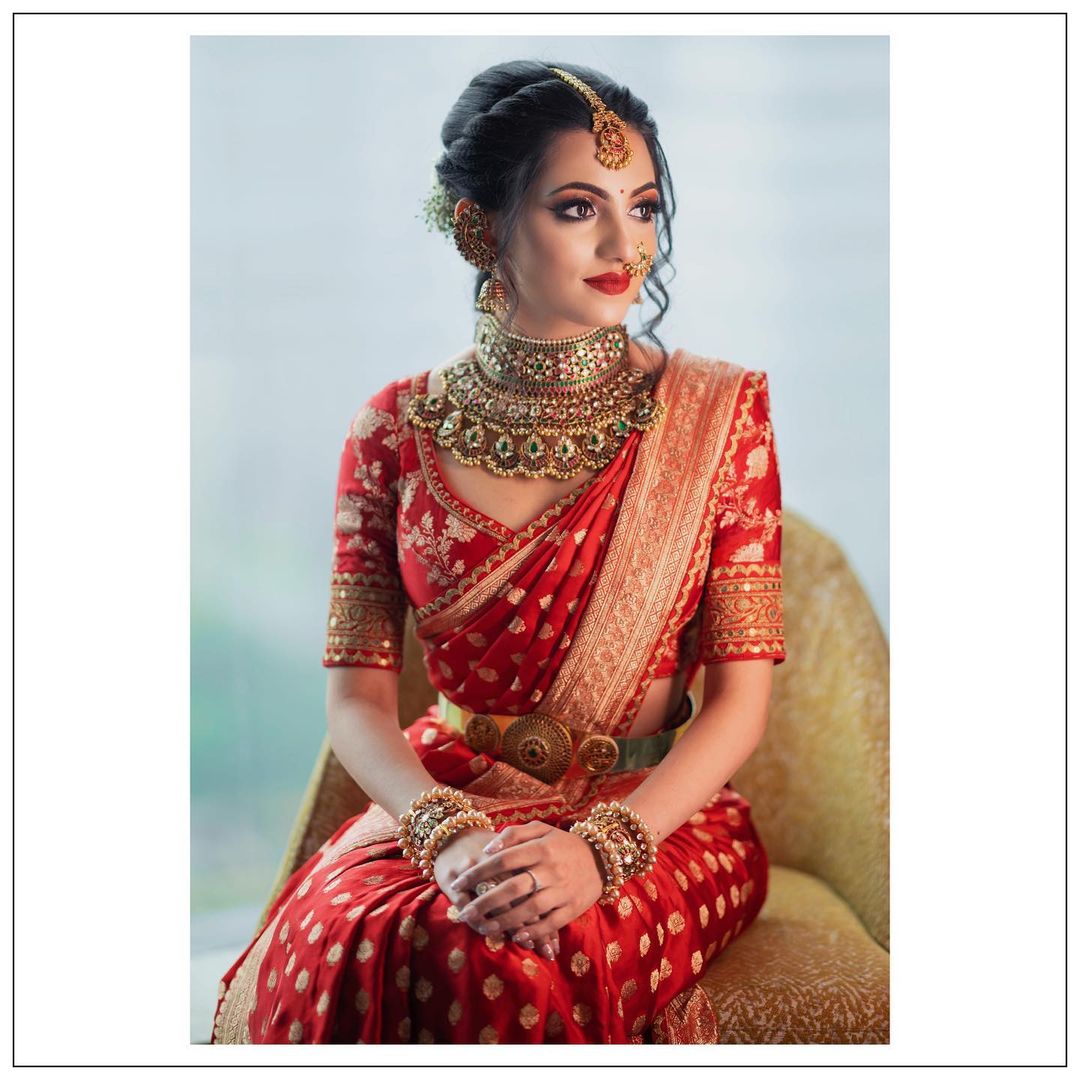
x,y
579,521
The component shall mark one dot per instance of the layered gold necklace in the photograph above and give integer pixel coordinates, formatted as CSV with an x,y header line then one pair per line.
x,y
523,406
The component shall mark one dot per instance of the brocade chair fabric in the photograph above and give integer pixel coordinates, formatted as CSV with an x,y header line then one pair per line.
x,y
814,966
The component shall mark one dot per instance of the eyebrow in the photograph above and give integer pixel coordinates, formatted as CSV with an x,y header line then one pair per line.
x,y
599,190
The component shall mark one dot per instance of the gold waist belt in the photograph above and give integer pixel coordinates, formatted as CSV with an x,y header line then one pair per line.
x,y
544,747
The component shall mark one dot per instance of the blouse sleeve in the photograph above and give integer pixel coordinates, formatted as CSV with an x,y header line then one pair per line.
x,y
366,623
743,617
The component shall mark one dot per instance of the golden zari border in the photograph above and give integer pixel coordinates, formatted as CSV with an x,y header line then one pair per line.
x,y
600,681
366,623
744,611
702,551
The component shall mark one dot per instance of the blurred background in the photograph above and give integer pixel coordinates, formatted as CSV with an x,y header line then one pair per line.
x,y
314,283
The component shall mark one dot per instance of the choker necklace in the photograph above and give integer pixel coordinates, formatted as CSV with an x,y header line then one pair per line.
x,y
522,406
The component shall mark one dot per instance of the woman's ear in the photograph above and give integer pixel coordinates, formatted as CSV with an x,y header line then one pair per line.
x,y
492,217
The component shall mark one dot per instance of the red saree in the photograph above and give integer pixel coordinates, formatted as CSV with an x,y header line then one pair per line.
x,y
667,558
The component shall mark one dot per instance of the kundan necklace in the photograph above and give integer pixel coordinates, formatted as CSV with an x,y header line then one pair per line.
x,y
523,406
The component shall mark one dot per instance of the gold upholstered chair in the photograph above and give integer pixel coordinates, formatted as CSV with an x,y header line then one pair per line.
x,y
813,967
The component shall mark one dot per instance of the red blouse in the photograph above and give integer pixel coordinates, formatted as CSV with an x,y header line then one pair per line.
x,y
403,537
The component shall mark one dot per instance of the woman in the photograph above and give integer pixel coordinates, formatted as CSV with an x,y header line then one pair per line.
x,y
579,521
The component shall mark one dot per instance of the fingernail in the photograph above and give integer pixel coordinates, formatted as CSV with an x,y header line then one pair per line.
x,y
456,884
484,928
522,937
556,947
493,845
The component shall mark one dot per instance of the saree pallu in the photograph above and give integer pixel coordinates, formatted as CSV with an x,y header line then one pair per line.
x,y
665,559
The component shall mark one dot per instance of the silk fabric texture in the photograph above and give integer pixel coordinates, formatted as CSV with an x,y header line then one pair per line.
x,y
665,559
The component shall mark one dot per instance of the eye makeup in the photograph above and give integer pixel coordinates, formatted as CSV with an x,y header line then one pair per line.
x,y
560,209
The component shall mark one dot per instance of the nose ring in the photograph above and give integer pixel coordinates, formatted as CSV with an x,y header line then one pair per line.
x,y
643,264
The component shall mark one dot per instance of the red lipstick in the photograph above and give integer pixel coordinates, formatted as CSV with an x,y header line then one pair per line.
x,y
612,284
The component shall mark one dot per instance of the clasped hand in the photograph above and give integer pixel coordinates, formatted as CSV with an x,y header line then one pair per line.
x,y
568,877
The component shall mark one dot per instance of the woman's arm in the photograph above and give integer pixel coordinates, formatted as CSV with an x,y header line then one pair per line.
x,y
724,734
362,719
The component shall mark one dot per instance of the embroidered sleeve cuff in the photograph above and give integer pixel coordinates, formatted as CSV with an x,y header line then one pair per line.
x,y
743,613
366,625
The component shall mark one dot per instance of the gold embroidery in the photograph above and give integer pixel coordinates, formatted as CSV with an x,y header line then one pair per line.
x,y
453,1014
368,421
362,1001
366,624
743,611
579,963
489,1035
323,1003
582,1013
528,1016
435,551
493,987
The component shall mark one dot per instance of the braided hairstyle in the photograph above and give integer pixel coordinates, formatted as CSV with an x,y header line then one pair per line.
x,y
498,132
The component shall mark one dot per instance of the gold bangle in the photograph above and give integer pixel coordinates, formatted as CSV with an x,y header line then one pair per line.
x,y
464,819
625,841
424,814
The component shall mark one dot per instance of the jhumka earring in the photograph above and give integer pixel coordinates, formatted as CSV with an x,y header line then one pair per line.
x,y
469,228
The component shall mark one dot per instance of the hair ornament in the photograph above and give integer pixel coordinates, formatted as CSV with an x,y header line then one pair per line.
x,y
438,207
